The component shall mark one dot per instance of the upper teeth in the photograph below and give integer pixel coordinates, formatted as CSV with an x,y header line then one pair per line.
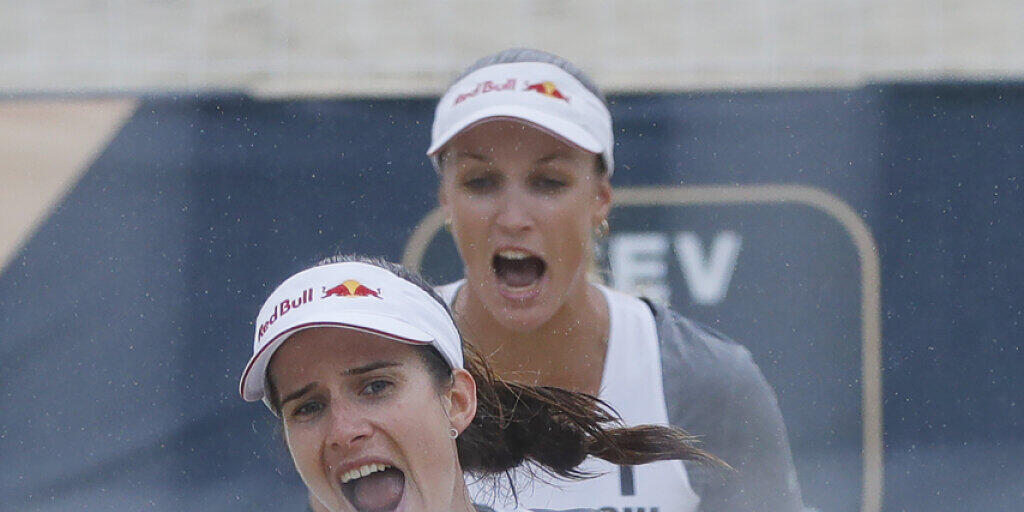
x,y
361,472
514,255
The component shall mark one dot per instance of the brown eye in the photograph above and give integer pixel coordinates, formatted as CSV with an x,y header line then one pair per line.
x,y
308,409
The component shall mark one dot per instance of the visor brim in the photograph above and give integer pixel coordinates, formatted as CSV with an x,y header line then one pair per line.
x,y
253,383
559,127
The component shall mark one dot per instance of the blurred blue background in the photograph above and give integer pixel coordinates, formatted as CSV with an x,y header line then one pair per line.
x,y
127,315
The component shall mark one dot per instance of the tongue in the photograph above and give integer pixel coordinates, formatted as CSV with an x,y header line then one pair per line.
x,y
518,273
378,491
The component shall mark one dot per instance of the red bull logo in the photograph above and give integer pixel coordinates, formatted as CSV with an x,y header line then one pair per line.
x,y
284,307
351,288
548,89
486,87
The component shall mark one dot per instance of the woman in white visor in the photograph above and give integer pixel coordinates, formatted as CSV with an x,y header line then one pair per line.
x,y
522,143
382,411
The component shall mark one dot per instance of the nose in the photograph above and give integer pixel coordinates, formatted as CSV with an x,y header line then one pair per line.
x,y
348,429
513,214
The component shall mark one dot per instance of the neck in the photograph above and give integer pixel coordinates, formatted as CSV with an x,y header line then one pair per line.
x,y
461,501
567,351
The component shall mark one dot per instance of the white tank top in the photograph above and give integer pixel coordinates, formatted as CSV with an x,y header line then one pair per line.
x,y
632,384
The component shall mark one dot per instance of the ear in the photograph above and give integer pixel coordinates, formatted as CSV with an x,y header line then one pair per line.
x,y
603,199
461,401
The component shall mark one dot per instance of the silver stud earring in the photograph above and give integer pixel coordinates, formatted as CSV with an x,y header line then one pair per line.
x,y
452,433
602,229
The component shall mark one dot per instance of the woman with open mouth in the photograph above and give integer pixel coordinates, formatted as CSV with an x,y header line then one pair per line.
x,y
383,411
522,143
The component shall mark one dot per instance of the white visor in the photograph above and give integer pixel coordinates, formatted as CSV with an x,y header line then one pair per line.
x,y
539,93
350,295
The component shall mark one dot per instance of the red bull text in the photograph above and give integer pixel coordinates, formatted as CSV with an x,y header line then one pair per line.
x,y
284,307
486,87
349,288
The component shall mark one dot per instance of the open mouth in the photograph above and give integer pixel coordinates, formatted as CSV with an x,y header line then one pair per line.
x,y
517,269
374,487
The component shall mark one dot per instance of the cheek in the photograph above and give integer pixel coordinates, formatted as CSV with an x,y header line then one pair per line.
x,y
304,449
424,431
470,214
570,224
469,228
571,236
423,421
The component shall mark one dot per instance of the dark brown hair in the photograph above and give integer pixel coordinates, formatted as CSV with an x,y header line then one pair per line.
x,y
552,427
556,429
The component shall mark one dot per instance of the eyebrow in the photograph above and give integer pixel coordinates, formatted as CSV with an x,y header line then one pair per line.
x,y
299,393
472,155
359,370
557,155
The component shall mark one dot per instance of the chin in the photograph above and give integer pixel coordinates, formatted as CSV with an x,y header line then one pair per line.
x,y
519,319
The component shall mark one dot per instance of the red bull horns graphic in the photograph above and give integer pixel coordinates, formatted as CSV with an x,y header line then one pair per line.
x,y
548,89
284,307
351,288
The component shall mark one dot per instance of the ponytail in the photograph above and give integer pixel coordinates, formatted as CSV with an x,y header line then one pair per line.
x,y
557,429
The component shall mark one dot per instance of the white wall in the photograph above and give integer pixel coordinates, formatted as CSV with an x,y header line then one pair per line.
x,y
415,47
